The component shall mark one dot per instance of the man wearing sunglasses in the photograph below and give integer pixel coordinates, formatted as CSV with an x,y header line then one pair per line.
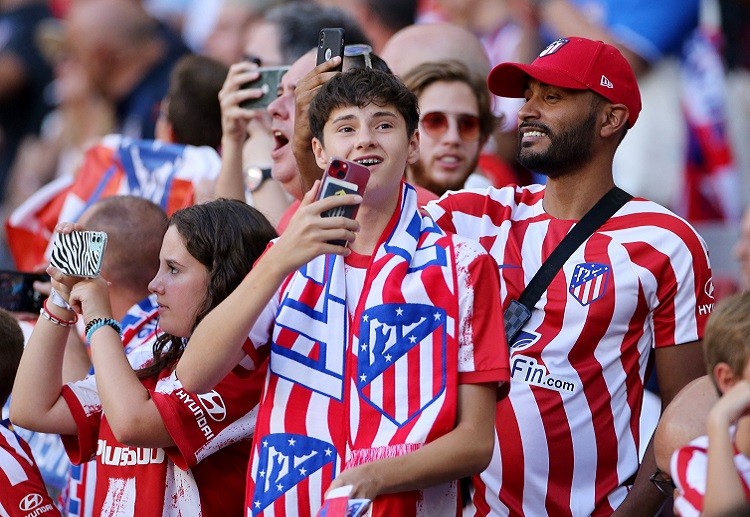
x,y
454,125
568,436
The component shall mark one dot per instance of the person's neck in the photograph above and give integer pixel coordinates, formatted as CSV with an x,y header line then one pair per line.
x,y
571,196
373,217
488,17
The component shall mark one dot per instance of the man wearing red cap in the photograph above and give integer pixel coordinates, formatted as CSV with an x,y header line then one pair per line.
x,y
568,435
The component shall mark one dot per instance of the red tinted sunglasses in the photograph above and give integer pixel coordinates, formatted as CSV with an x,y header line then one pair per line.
x,y
435,124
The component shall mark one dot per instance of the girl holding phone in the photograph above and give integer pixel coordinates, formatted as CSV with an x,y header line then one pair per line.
x,y
160,450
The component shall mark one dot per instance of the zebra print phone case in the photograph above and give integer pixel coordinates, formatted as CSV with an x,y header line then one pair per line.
x,y
79,253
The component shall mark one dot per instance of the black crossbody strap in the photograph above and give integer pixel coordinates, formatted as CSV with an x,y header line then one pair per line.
x,y
518,311
605,208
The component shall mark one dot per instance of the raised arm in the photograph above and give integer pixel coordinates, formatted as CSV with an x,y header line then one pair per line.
x,y
304,93
724,491
216,344
234,122
36,403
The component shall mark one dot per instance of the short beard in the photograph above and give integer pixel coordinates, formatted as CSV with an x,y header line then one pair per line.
x,y
566,152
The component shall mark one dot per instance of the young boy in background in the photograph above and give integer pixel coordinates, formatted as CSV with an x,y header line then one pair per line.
x,y
22,490
712,473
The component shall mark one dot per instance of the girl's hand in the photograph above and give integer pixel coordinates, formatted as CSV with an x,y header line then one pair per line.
x,y
308,234
90,297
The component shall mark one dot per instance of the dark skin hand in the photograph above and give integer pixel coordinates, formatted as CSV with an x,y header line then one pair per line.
x,y
304,92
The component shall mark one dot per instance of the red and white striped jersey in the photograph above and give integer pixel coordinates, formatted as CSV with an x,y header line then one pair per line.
x,y
22,490
568,432
689,466
139,331
371,370
204,473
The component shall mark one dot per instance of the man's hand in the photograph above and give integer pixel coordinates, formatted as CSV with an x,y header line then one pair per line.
x,y
304,93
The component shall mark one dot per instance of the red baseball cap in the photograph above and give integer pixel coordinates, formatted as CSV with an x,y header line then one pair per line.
x,y
577,64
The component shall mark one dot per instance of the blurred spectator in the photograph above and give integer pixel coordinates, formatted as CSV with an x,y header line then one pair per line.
x,y
291,29
24,75
226,41
735,22
174,171
742,251
127,56
380,19
455,122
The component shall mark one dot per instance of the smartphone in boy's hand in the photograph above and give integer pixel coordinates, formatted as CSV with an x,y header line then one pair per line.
x,y
79,253
330,43
343,177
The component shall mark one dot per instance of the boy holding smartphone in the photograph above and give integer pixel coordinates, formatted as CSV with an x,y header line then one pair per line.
x,y
383,372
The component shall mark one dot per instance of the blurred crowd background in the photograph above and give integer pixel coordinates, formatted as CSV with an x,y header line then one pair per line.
x,y
71,73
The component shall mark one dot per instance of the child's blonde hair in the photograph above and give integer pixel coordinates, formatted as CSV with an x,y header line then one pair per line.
x,y
727,335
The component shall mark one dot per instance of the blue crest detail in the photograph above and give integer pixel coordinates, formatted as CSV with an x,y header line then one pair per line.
x,y
589,282
387,333
285,460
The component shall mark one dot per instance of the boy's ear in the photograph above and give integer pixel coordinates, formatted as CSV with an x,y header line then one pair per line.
x,y
321,158
724,377
413,155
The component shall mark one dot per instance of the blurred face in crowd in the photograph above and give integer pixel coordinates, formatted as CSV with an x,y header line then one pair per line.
x,y
284,169
227,39
263,44
742,251
449,133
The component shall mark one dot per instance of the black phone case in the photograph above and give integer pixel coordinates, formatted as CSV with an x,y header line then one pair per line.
x,y
330,43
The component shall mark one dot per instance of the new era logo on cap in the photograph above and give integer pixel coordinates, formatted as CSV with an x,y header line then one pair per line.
x,y
577,64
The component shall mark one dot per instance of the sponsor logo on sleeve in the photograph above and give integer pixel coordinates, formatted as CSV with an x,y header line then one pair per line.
x,y
32,503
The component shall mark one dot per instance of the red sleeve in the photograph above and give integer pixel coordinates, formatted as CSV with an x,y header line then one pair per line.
x,y
483,351
87,414
22,490
201,425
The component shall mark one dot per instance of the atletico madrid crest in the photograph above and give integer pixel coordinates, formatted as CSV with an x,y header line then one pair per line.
x,y
589,282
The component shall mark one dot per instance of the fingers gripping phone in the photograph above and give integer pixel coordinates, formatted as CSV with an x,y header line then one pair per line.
x,y
17,292
79,253
340,178
330,43
268,82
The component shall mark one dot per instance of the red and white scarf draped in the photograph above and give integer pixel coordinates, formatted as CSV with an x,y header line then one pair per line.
x,y
402,332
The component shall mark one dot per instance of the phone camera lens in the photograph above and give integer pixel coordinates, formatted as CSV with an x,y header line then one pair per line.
x,y
340,174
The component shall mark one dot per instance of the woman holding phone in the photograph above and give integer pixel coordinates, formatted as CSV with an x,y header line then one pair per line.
x,y
160,450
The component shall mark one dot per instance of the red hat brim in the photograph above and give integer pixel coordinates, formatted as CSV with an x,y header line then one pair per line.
x,y
511,79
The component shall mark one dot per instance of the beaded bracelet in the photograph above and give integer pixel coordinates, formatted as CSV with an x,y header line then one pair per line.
x,y
97,323
54,319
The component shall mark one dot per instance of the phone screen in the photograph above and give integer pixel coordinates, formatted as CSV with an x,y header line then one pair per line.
x,y
17,292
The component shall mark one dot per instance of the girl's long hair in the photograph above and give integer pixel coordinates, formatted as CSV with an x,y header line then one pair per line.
x,y
227,236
